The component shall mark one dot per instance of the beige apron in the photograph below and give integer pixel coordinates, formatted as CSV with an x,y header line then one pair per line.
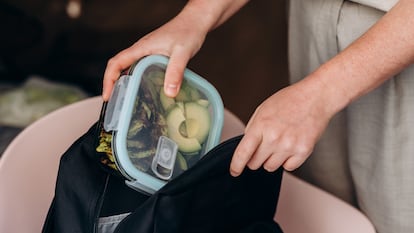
x,y
366,155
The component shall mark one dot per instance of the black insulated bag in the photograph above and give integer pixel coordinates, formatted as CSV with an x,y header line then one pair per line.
x,y
204,199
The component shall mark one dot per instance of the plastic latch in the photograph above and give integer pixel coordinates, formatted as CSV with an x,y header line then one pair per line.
x,y
115,104
135,185
164,159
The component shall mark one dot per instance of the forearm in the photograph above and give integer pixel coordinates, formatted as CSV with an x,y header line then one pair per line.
x,y
383,51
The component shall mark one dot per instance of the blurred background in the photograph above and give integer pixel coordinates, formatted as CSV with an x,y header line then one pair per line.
x,y
57,50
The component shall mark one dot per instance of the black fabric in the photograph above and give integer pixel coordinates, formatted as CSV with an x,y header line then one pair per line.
x,y
204,199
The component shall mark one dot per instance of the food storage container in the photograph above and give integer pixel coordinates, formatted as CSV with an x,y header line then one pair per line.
x,y
154,138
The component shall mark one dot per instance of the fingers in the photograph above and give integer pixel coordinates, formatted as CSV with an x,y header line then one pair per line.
x,y
175,71
115,66
243,153
245,150
262,153
292,163
263,146
274,162
173,77
254,152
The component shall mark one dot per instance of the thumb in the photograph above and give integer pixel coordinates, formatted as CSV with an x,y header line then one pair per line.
x,y
175,72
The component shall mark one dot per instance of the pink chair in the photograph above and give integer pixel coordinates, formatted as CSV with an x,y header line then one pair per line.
x,y
29,165
306,208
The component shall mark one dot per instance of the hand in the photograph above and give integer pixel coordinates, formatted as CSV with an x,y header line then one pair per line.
x,y
178,39
282,131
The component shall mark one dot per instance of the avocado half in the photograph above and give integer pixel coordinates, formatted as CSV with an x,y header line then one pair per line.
x,y
188,126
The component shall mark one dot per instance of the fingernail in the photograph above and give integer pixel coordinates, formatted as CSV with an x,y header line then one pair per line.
x,y
233,173
171,90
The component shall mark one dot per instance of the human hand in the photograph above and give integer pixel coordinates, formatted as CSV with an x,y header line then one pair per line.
x,y
283,130
179,39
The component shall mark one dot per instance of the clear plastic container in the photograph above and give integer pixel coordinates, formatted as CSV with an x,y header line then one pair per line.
x,y
155,138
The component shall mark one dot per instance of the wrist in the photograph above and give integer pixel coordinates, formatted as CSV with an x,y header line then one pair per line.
x,y
199,18
326,88
211,14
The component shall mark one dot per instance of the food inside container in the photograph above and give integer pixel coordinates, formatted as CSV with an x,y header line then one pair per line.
x,y
151,138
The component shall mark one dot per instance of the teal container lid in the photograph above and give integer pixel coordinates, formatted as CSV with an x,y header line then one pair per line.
x,y
155,137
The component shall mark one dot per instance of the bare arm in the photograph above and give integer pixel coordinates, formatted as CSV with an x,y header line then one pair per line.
x,y
285,127
385,50
179,39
